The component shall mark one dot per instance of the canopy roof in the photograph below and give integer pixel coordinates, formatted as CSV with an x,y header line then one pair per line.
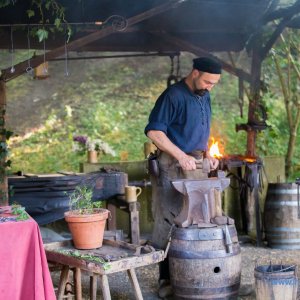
x,y
213,25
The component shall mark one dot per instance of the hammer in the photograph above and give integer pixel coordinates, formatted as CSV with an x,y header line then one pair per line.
x,y
200,164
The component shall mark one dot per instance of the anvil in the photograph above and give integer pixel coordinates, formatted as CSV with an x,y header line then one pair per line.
x,y
201,200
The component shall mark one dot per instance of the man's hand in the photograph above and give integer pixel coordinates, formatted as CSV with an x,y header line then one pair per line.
x,y
213,161
187,163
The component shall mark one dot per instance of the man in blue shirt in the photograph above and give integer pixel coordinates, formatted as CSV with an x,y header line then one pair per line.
x,y
179,125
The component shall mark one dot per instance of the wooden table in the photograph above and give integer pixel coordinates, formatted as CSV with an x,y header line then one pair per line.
x,y
120,256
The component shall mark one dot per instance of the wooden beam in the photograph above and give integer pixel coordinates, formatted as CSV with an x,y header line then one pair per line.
x,y
282,12
199,52
105,31
3,177
277,32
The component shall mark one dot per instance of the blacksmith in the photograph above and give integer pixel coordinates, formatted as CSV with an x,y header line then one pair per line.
x,y
179,125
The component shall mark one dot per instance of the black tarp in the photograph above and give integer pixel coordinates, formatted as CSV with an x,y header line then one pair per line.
x,y
45,197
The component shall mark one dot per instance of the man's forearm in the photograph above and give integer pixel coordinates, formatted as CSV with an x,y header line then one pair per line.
x,y
163,143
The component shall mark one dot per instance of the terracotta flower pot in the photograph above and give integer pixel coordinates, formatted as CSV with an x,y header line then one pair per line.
x,y
87,229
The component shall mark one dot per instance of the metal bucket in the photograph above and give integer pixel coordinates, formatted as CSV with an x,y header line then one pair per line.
x,y
205,263
281,216
276,282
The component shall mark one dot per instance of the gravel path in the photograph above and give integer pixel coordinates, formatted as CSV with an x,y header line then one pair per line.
x,y
121,289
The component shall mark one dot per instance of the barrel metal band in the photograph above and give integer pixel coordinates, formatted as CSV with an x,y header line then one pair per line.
x,y
282,192
284,246
201,234
298,201
203,254
282,229
206,293
281,203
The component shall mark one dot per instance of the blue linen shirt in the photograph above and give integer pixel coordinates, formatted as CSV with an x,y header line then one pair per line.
x,y
183,116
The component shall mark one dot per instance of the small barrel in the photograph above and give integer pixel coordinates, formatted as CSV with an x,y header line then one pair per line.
x,y
281,216
205,263
276,282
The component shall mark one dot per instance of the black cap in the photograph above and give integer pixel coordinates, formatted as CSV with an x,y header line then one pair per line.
x,y
208,65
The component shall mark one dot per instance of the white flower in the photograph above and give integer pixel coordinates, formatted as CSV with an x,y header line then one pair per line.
x,y
100,146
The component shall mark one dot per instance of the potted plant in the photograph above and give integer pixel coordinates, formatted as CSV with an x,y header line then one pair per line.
x,y
86,219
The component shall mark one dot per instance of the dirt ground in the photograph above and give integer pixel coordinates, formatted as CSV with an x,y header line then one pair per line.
x,y
147,276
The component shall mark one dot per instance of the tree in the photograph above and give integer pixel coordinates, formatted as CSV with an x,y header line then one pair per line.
x,y
286,62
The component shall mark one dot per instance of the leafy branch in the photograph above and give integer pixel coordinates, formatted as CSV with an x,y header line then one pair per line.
x,y
48,12
56,10
19,211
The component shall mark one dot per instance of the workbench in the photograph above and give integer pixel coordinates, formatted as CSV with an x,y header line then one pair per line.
x,y
112,257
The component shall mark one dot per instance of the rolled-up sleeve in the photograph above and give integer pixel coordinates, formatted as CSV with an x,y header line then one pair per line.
x,y
161,115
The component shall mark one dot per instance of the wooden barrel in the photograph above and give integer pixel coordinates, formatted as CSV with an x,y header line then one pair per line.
x,y
282,222
205,263
276,282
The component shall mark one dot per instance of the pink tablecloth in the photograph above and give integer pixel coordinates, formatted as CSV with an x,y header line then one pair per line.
x,y
24,273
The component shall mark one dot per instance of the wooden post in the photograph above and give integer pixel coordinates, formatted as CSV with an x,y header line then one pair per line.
x,y
3,150
134,209
255,86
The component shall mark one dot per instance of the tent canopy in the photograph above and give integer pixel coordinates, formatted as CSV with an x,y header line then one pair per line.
x,y
212,25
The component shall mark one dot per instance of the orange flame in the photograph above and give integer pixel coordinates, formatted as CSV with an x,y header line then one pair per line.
x,y
214,149
250,159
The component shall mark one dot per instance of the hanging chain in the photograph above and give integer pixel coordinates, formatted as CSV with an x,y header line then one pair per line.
x,y
12,69
178,71
66,56
29,69
45,70
172,65
172,78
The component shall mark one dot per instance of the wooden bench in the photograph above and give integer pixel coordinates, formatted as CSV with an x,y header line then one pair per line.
x,y
117,256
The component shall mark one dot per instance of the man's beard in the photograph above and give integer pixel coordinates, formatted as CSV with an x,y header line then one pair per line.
x,y
201,92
